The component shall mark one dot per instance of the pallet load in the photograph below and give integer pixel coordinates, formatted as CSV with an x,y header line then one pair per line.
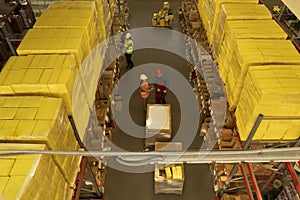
x,y
31,176
71,18
169,179
241,13
40,120
210,13
245,29
56,41
102,12
50,75
158,124
248,52
274,92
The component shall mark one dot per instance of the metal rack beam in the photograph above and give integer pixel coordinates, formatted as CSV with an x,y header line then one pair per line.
x,y
294,175
259,119
143,158
248,187
254,182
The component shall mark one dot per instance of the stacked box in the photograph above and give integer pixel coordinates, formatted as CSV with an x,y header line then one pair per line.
x,y
85,4
40,120
169,179
248,52
56,41
244,29
210,13
233,12
51,75
68,19
30,176
89,74
274,92
102,11
81,111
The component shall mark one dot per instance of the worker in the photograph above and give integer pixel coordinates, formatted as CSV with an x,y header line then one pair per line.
x,y
128,48
161,84
145,89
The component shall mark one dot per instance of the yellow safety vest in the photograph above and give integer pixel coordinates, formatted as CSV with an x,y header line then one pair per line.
x,y
128,45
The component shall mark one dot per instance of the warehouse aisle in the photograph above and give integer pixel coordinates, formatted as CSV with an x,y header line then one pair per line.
x,y
133,186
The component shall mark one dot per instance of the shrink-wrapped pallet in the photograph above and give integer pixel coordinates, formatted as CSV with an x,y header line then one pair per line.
x,y
30,176
51,75
101,8
248,52
210,13
274,92
89,74
245,29
81,110
240,12
40,120
69,19
55,41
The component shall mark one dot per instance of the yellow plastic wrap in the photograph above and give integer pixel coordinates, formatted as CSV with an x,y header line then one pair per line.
x,y
248,52
55,41
245,29
233,12
30,176
81,112
210,12
273,91
69,19
89,74
102,13
51,75
40,120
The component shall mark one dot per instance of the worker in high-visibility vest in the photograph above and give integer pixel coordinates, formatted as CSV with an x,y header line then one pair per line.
x,y
145,89
128,48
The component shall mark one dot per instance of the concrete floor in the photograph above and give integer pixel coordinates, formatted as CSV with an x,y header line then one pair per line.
x,y
140,186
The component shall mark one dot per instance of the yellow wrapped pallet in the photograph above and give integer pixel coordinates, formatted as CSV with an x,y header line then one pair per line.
x,y
273,91
69,19
81,109
248,52
245,29
40,120
51,75
30,176
102,11
210,13
233,12
80,5
89,74
55,41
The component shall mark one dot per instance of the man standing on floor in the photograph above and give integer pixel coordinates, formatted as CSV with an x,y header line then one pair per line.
x,y
128,48
161,84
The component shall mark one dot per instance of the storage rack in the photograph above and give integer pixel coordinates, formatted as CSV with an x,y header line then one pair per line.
x,y
225,175
93,171
256,188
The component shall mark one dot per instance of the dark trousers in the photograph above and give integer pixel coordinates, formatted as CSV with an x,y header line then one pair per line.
x,y
160,97
145,103
128,60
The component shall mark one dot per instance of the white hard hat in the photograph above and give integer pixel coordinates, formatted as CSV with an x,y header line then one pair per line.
x,y
128,35
143,77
